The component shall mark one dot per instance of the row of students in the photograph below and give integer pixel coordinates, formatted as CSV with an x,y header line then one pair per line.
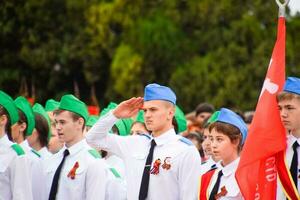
x,y
159,165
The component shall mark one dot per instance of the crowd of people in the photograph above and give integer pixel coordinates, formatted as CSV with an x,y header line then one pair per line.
x,y
143,148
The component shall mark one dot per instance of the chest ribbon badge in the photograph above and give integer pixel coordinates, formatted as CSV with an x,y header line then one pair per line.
x,y
155,168
167,163
72,172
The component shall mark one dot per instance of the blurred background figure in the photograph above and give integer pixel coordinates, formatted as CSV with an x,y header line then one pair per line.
x,y
248,116
41,133
138,126
54,144
202,112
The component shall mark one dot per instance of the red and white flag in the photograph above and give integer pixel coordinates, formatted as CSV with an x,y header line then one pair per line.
x,y
262,156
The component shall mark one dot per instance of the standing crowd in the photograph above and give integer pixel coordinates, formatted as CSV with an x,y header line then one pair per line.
x,y
143,148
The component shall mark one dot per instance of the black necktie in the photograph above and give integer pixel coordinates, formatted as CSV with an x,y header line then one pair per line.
x,y
294,165
54,185
146,174
216,186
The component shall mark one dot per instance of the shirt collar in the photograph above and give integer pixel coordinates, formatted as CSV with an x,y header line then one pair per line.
x,y
230,168
291,140
76,147
165,137
25,144
4,141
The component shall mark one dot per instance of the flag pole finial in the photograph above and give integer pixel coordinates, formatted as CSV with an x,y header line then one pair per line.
x,y
282,7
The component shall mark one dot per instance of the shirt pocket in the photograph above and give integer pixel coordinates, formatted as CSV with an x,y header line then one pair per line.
x,y
74,181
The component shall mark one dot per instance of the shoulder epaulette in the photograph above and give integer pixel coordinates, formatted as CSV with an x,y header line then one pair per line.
x,y
36,153
186,141
18,149
94,153
114,171
146,135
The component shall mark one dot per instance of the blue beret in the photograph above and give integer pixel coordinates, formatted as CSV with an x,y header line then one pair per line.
x,y
158,92
292,84
230,117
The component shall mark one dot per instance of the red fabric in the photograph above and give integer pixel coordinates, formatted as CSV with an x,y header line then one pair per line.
x,y
93,110
205,181
266,141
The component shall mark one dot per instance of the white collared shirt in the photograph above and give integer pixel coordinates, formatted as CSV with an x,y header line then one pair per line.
x,y
289,156
178,182
208,165
90,180
227,180
45,154
14,173
36,168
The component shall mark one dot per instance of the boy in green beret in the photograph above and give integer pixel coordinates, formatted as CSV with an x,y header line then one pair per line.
x,y
20,133
14,166
77,171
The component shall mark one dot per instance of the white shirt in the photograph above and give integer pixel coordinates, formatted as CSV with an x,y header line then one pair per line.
x,y
116,163
178,182
227,180
289,156
90,180
45,154
36,168
205,167
15,175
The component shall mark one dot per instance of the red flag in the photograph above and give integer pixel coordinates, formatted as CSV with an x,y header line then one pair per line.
x,y
266,141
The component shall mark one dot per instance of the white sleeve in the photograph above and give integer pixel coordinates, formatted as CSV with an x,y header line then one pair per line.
x,y
38,180
189,173
96,181
99,137
21,179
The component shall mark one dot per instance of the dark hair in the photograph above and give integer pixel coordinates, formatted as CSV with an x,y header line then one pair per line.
x,y
3,111
204,107
42,127
175,124
74,116
22,119
231,131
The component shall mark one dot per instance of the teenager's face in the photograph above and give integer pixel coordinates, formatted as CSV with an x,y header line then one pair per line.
x,y
158,115
290,114
206,144
138,128
222,147
68,129
202,117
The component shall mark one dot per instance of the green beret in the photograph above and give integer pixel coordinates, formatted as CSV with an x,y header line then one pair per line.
x,y
51,105
7,102
92,120
140,117
25,107
213,118
127,122
110,106
180,119
70,103
38,108
123,125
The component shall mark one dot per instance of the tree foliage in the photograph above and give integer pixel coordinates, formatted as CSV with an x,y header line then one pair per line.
x,y
215,51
